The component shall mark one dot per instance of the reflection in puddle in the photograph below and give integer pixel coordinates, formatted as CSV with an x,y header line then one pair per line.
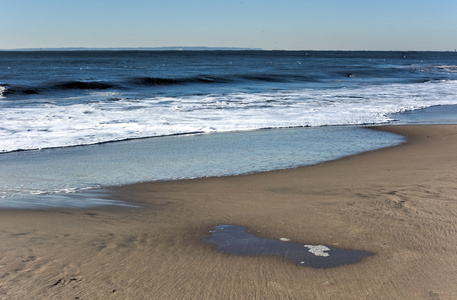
x,y
232,239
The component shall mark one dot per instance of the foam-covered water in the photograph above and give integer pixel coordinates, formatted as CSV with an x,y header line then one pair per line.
x,y
57,99
53,125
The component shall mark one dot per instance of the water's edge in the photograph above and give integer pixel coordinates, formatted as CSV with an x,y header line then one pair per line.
x,y
69,177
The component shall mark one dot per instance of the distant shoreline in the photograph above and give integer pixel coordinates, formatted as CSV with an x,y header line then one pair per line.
x,y
177,48
137,49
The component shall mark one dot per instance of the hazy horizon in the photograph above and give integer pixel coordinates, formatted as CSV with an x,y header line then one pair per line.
x,y
203,48
274,25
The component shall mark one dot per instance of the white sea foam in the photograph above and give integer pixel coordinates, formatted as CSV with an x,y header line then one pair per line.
x,y
52,125
318,250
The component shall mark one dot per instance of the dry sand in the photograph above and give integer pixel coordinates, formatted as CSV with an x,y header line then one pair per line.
x,y
400,203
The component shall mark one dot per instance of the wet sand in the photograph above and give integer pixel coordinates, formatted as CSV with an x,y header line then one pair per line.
x,y
399,203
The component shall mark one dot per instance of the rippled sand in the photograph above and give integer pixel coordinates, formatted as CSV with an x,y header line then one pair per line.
x,y
399,203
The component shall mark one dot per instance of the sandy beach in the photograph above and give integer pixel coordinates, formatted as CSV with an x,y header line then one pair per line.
x,y
399,203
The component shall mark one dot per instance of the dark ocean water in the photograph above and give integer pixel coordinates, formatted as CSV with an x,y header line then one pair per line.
x,y
53,100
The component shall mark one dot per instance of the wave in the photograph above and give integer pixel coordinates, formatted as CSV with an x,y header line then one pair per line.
x,y
331,78
151,81
443,71
353,74
130,83
84,85
234,78
93,122
7,90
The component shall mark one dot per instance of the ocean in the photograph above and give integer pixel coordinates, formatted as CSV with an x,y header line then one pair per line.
x,y
72,122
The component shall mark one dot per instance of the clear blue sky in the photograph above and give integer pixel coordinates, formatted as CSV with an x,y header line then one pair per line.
x,y
267,24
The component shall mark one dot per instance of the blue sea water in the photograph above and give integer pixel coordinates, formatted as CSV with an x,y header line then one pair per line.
x,y
208,112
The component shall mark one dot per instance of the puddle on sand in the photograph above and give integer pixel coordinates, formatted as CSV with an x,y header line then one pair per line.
x,y
232,239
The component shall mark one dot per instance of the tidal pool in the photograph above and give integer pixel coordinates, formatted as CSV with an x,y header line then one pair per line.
x,y
231,239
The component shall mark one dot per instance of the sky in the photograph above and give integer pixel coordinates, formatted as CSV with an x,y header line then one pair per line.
x,y
267,24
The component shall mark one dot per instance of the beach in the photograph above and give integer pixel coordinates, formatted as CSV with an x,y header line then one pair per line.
x,y
398,202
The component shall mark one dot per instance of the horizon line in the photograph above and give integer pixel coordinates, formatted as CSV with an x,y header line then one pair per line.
x,y
195,48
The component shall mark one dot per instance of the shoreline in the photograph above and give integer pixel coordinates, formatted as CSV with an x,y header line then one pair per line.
x,y
398,202
52,173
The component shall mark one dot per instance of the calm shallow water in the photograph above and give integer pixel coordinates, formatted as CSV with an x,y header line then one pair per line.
x,y
443,114
52,176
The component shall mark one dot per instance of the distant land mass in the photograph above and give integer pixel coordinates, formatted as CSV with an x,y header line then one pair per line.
x,y
133,49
